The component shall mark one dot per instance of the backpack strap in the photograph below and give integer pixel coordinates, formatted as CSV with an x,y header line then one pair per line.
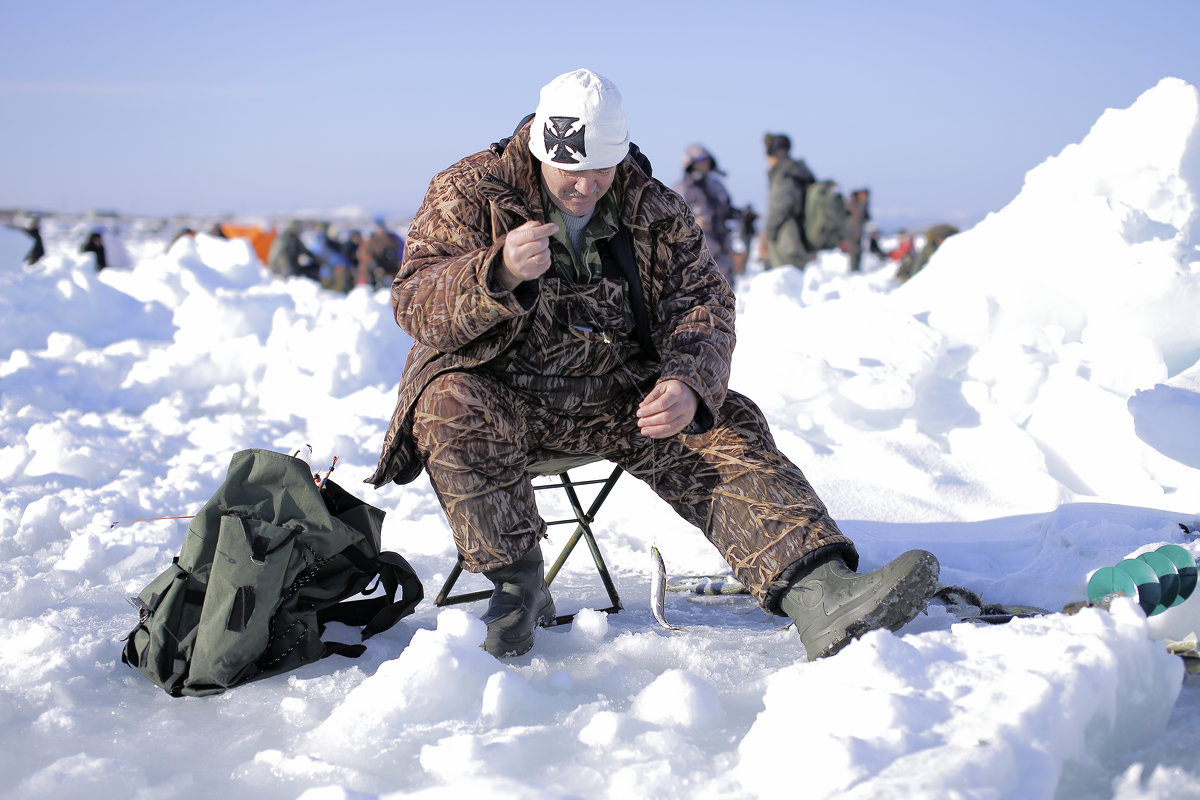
x,y
498,147
260,546
376,614
341,649
617,257
801,212
395,574
640,159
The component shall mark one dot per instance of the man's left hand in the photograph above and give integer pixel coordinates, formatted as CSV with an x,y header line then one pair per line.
x,y
668,409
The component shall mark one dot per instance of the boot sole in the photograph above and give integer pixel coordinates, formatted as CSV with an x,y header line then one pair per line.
x,y
896,608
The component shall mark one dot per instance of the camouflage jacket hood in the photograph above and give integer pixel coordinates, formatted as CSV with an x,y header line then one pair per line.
x,y
444,298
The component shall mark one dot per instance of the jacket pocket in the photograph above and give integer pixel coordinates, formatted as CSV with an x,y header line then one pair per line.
x,y
160,647
577,331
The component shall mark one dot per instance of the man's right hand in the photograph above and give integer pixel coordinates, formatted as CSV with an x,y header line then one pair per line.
x,y
526,253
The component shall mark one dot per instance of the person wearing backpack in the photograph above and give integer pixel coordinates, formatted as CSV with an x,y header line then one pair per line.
x,y
559,298
784,240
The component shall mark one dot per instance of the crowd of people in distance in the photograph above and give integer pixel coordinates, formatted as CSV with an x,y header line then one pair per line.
x,y
804,216
338,260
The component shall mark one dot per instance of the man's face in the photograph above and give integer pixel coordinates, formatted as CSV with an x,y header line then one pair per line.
x,y
577,193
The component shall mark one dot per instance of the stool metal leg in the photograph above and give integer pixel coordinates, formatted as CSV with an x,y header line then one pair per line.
x,y
583,529
444,597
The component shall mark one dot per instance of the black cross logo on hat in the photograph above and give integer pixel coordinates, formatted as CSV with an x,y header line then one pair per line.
x,y
560,143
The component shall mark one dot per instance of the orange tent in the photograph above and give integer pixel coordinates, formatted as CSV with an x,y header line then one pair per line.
x,y
259,239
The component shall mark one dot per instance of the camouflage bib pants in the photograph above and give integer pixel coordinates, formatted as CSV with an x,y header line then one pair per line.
x,y
566,390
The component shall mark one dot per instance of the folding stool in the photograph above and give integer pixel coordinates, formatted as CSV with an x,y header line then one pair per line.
x,y
545,463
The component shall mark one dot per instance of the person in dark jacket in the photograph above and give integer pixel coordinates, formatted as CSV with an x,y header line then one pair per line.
x,y
875,247
38,248
181,233
290,256
350,247
94,244
783,238
560,299
747,227
856,220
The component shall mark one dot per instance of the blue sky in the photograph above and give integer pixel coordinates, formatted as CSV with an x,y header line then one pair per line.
x,y
271,107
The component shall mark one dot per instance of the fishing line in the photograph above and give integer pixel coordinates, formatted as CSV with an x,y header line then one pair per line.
x,y
658,574
317,479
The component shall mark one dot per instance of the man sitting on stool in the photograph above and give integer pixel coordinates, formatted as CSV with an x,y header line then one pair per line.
x,y
559,298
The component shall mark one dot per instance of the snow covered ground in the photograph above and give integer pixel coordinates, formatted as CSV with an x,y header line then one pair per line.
x,y
1028,408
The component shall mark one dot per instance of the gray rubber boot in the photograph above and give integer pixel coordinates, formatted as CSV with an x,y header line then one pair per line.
x,y
832,605
520,602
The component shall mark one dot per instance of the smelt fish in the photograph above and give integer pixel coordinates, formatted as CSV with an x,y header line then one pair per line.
x,y
658,591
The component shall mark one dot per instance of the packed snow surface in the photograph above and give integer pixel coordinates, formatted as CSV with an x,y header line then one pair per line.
x,y
1027,408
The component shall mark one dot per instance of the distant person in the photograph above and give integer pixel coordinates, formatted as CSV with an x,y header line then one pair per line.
x,y
743,237
350,247
783,238
875,247
912,263
708,199
379,256
217,232
290,257
188,232
94,244
857,217
38,248
904,246
335,274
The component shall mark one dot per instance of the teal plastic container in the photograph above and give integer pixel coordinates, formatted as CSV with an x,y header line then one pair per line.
x,y
1158,580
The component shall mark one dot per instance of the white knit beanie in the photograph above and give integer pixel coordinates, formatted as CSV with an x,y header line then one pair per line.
x,y
579,123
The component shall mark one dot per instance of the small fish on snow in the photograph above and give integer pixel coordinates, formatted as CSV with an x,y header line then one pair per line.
x,y
658,591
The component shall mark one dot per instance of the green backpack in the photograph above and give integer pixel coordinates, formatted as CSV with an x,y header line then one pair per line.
x,y
265,564
824,216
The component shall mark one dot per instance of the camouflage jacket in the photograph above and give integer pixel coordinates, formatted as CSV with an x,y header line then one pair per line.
x,y
445,299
